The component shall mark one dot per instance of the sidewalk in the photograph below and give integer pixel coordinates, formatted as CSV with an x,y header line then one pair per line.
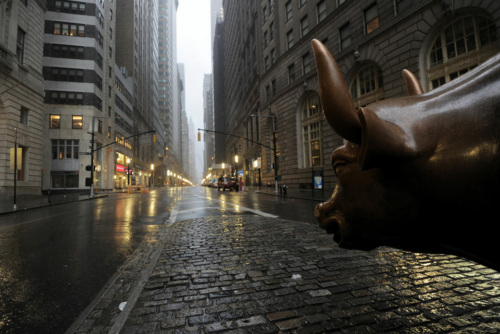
x,y
26,202
308,194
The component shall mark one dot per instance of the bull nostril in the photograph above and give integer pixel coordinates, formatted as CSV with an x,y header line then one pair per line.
x,y
318,211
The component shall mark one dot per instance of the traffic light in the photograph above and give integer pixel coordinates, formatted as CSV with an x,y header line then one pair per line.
x,y
199,136
154,137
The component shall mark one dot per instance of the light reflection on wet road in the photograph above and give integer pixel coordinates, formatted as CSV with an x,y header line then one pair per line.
x,y
54,260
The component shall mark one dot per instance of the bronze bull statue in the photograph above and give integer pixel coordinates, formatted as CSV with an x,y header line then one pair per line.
x,y
420,172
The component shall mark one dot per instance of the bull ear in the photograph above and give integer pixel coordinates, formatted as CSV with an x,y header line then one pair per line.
x,y
338,108
383,142
412,84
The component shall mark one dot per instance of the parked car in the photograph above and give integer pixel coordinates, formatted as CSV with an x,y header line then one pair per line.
x,y
212,183
228,183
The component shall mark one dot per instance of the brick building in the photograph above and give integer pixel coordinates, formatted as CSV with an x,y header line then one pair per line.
x,y
270,74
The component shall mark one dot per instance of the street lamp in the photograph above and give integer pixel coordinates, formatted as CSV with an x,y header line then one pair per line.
x,y
274,148
236,166
128,171
153,170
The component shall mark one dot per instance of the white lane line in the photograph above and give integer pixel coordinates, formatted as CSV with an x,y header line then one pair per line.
x,y
237,207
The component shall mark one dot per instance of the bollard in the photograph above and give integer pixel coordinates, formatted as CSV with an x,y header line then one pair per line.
x,y
280,189
49,197
284,189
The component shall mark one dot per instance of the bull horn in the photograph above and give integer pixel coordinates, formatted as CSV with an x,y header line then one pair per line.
x,y
412,83
338,108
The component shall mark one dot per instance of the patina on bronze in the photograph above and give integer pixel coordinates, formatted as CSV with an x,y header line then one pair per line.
x,y
420,172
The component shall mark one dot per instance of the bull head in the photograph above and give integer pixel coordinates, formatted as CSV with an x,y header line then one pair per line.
x,y
415,171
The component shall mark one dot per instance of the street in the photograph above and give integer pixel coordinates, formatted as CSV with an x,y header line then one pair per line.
x,y
198,260
55,259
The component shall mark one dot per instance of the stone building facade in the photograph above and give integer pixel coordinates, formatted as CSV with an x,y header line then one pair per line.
x,y
270,73
21,94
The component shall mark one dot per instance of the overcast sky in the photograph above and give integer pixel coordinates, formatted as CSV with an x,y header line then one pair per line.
x,y
193,49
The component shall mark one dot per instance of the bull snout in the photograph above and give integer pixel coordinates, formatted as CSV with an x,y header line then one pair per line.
x,y
328,218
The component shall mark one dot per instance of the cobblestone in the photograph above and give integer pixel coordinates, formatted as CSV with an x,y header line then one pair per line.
x,y
237,274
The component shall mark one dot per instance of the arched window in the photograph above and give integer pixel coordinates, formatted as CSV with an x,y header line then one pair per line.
x,y
460,46
367,85
311,131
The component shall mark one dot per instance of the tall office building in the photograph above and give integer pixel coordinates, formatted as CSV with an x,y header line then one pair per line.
x,y
168,82
208,121
21,95
271,85
137,52
78,68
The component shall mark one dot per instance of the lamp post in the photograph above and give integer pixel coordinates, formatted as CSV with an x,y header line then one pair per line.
x,y
92,155
274,149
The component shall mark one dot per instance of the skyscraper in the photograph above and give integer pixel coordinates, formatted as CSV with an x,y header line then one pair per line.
x,y
78,67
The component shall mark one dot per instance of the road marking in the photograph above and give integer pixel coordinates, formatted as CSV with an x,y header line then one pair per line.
x,y
238,207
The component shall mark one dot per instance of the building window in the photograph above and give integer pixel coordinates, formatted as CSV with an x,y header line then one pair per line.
x,y
289,39
302,3
459,47
69,29
65,149
311,132
273,56
345,37
268,92
99,126
306,63
64,74
367,86
321,10
266,62
304,26
371,19
55,122
271,29
20,45
264,13
288,10
64,98
77,122
64,180
69,7
21,169
273,87
24,116
291,73
266,40
65,51
25,2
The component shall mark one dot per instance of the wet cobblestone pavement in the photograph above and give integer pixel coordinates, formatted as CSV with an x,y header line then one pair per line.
x,y
252,274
